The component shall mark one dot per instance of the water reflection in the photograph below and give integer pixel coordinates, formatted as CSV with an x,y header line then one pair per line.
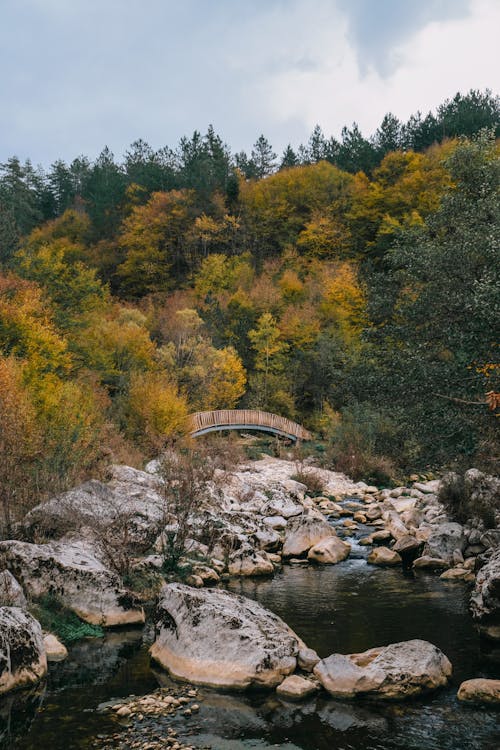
x,y
347,607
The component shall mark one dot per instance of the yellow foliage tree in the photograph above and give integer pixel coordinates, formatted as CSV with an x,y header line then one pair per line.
x,y
155,410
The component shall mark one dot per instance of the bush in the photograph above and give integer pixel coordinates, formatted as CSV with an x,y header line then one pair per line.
x,y
312,480
465,499
357,444
56,618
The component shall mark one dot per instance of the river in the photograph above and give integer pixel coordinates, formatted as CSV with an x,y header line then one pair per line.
x,y
346,608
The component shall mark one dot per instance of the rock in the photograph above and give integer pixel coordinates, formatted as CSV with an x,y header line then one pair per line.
x,y
365,541
490,538
131,500
457,558
303,533
249,562
409,548
195,581
307,659
426,562
296,688
123,712
207,574
428,488
403,504
485,599
329,551
380,536
216,638
384,556
394,524
22,655
444,540
407,544
268,540
54,649
373,513
11,593
454,574
483,489
400,670
474,536
359,517
479,690
72,572
473,550
276,522
282,505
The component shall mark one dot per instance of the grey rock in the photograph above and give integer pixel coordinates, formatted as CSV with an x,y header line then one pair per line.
x,y
400,670
216,638
74,574
22,655
11,593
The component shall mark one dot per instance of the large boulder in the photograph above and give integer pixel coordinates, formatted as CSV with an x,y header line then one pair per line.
x,y
305,532
400,670
485,599
444,540
22,654
329,551
130,506
74,574
216,638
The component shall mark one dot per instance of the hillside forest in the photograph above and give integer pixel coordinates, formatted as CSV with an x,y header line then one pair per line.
x,y
351,285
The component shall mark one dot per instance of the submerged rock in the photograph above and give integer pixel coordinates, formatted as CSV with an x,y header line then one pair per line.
x,y
213,637
485,599
400,670
22,654
72,572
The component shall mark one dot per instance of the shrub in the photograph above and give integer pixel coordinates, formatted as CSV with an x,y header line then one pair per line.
x,y
54,617
467,499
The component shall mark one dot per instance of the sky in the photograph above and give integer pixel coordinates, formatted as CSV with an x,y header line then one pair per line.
x,y
76,75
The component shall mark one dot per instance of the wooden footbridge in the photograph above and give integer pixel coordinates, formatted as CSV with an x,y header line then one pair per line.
x,y
246,419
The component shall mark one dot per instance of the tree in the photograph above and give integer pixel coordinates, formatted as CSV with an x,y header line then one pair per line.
x,y
263,157
155,410
289,158
153,239
437,343
268,384
389,136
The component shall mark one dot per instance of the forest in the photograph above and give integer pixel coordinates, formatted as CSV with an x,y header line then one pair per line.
x,y
351,285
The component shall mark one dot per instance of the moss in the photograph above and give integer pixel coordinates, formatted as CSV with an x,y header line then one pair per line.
x,y
57,619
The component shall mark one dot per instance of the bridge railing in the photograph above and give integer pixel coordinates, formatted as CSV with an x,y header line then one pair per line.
x,y
249,418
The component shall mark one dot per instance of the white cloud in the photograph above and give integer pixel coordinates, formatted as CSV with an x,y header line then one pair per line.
x,y
441,59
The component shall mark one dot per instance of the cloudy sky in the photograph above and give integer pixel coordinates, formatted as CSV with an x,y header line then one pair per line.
x,y
78,74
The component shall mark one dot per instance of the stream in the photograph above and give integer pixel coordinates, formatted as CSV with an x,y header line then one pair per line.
x,y
346,608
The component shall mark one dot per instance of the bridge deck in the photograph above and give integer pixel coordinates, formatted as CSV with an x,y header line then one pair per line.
x,y
246,419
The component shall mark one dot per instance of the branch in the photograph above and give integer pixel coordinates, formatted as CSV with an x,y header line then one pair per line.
x,y
461,400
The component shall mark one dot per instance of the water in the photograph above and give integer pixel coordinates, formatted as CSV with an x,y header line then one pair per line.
x,y
347,608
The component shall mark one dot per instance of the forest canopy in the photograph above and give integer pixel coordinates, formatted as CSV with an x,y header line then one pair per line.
x,y
351,284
